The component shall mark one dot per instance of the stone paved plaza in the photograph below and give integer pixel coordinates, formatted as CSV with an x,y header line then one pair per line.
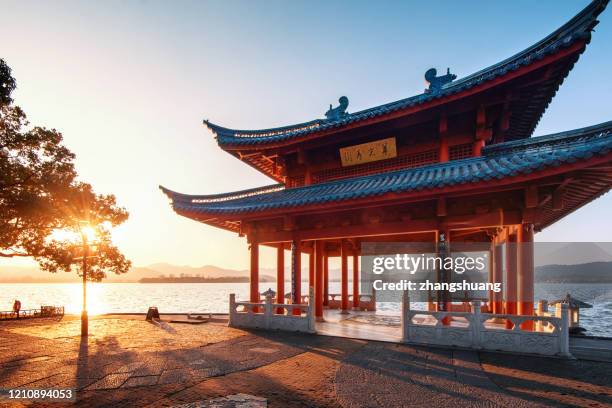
x,y
127,361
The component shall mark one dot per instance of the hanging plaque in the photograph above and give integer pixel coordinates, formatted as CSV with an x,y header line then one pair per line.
x,y
368,152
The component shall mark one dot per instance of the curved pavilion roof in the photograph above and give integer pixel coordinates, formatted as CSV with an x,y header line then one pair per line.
x,y
501,163
522,124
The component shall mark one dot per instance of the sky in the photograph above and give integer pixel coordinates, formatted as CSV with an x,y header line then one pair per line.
x,y
128,83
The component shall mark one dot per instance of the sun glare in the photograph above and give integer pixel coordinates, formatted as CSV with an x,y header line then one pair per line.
x,y
95,303
63,235
89,233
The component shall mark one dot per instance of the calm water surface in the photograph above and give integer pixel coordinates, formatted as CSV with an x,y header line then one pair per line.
x,y
213,297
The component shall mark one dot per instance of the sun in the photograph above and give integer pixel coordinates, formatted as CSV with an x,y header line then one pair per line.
x,y
88,233
66,235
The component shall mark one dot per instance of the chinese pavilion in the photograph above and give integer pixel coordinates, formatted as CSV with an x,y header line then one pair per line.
x,y
455,163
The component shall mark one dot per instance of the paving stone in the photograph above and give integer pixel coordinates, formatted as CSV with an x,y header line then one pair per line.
x,y
140,381
230,401
111,381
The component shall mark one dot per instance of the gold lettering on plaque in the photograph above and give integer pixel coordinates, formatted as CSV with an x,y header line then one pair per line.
x,y
368,152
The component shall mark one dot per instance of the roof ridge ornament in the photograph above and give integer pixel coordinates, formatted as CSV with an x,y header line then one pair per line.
x,y
437,82
339,111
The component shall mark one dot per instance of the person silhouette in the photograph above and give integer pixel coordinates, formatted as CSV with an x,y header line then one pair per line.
x,y
16,307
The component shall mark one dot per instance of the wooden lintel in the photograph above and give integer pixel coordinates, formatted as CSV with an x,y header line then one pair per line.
x,y
495,219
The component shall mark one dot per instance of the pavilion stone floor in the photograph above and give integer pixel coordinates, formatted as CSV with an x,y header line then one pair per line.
x,y
129,362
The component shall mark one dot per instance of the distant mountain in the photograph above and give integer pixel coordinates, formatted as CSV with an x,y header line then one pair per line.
x,y
192,279
30,274
571,253
592,272
209,271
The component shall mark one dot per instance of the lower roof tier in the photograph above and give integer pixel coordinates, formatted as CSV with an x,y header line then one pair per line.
x,y
501,164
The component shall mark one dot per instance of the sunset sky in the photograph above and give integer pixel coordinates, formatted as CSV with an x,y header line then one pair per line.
x,y
129,82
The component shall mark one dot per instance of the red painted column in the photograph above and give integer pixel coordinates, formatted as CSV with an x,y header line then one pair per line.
x,y
296,274
318,254
511,268
477,149
280,276
325,279
525,272
498,271
254,272
344,267
355,280
511,288
442,238
311,267
490,279
444,153
443,131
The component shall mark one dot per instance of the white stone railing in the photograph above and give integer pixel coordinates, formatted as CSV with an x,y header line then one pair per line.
x,y
486,331
268,315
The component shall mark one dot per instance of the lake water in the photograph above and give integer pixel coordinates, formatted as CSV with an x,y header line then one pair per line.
x,y
213,297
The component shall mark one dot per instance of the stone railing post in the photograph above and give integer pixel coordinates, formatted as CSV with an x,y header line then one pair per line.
x,y
232,309
564,332
476,324
374,298
268,312
311,312
405,315
542,310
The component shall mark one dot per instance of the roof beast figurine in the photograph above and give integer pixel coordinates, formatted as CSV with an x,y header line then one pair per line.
x,y
338,112
437,82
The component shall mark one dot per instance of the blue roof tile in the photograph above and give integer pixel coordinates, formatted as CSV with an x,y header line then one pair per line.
x,y
496,163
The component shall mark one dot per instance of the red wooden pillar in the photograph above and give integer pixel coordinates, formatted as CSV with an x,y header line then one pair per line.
x,y
280,276
311,266
511,268
498,271
511,288
318,254
344,268
442,238
525,272
254,293
296,274
490,278
443,131
477,148
325,279
355,280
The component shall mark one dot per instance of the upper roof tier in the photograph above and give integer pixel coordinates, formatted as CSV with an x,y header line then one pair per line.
x,y
503,163
571,39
